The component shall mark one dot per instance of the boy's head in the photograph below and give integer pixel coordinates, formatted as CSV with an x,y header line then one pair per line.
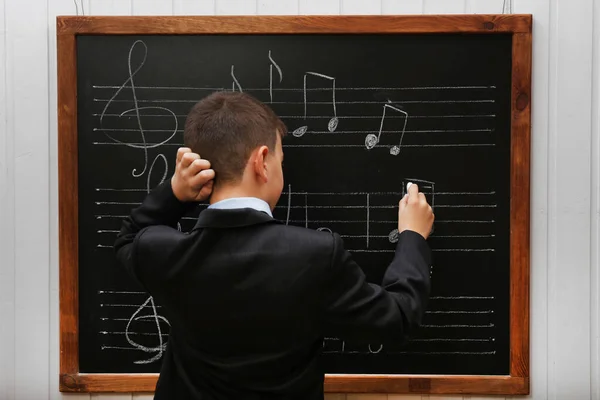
x,y
241,137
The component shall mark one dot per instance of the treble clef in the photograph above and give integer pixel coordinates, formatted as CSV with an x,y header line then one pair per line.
x,y
136,110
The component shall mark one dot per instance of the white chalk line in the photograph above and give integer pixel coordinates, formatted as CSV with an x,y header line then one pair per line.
x,y
482,101
323,116
392,207
98,189
462,298
298,90
318,145
433,353
119,292
486,130
132,333
444,326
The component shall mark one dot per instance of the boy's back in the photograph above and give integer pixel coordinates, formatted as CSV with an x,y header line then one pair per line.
x,y
250,299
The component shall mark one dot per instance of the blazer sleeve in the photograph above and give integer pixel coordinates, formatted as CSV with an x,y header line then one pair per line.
x,y
356,309
150,234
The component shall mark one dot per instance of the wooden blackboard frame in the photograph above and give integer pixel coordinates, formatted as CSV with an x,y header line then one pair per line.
x,y
520,26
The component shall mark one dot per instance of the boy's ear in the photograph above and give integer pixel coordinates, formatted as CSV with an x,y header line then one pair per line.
x,y
260,162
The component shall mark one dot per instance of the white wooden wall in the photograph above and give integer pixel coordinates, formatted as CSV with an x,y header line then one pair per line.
x,y
565,275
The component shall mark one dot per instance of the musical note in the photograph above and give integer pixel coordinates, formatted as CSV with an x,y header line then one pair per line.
x,y
333,122
372,140
273,63
136,109
235,81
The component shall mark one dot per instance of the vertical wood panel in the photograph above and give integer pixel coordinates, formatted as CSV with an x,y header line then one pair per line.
x,y
152,7
110,7
27,57
319,7
569,227
7,230
444,6
402,7
484,6
595,234
194,7
236,7
277,7
360,7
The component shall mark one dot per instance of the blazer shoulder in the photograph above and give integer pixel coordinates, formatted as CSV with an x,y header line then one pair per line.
x,y
314,240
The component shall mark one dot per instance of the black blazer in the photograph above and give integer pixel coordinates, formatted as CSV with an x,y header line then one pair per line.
x,y
250,299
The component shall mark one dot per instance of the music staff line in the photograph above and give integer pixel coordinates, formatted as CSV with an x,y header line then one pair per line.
x,y
105,246
457,221
486,130
465,312
321,116
320,145
363,236
97,100
216,88
103,189
431,298
104,347
328,207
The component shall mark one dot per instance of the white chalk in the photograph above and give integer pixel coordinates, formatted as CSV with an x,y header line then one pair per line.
x,y
408,186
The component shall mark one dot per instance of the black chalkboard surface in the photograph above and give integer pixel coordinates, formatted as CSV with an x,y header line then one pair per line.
x,y
366,113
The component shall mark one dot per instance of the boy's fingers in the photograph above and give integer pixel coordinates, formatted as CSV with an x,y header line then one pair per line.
x,y
202,178
403,202
188,158
206,190
198,165
413,190
181,151
413,193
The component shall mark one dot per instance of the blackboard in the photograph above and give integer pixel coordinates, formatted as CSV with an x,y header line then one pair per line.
x,y
366,114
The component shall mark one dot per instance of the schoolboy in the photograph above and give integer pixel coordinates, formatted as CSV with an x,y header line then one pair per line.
x,y
248,298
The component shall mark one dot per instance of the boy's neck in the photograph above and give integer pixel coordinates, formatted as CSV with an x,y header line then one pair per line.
x,y
229,192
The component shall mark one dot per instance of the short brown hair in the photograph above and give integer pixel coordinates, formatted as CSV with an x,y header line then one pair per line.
x,y
225,127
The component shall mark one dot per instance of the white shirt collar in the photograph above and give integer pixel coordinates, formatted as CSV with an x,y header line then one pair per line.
x,y
243,202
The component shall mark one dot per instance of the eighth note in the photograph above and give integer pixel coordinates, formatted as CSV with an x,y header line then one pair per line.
x,y
371,140
333,122
271,75
235,82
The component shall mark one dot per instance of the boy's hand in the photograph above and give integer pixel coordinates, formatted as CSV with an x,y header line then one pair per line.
x,y
193,178
415,213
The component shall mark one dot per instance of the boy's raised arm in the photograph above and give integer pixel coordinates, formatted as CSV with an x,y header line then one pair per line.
x,y
153,225
356,309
